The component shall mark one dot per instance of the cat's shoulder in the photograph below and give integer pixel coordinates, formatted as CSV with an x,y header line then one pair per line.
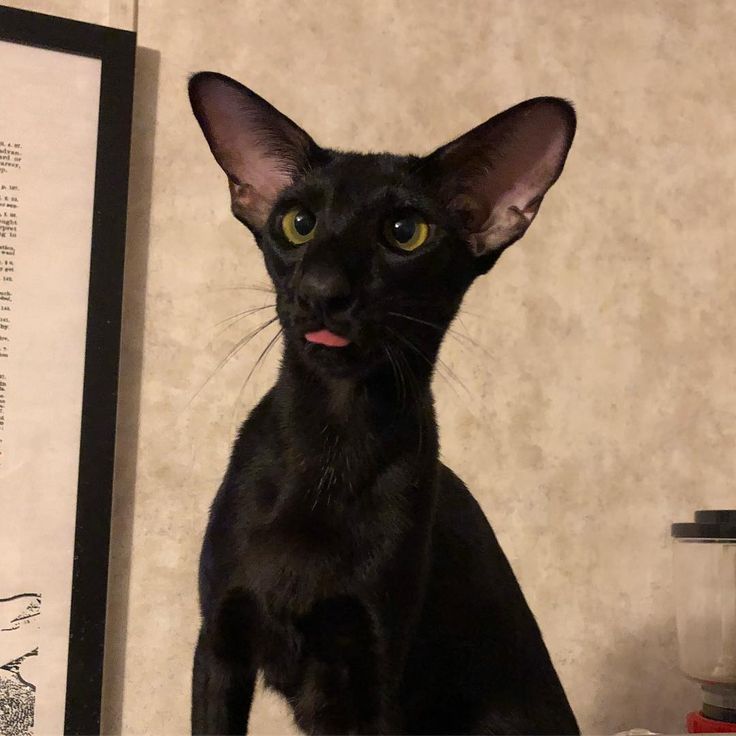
x,y
255,438
257,425
457,508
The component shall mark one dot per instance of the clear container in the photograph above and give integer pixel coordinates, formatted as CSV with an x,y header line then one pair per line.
x,y
704,558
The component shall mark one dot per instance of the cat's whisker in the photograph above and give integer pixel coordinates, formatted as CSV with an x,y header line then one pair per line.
x,y
237,315
488,354
258,361
264,288
398,379
454,376
470,314
416,395
439,328
234,350
245,340
471,342
439,364
459,336
326,466
235,318
403,384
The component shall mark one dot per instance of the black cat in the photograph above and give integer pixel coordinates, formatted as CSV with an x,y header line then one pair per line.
x,y
342,559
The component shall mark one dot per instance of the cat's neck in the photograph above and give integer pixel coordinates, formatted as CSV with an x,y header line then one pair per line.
x,y
378,407
343,436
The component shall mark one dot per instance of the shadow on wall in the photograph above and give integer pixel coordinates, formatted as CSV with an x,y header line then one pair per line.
x,y
640,685
129,390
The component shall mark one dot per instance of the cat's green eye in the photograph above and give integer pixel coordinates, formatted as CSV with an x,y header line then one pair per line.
x,y
407,232
299,225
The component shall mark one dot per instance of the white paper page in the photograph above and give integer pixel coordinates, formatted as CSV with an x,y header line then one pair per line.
x,y
48,140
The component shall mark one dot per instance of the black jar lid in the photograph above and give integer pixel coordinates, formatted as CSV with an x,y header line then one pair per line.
x,y
719,524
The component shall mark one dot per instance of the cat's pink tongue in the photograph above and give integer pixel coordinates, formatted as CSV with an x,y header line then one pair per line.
x,y
325,337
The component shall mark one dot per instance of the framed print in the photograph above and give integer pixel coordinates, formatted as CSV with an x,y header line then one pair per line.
x,y
64,149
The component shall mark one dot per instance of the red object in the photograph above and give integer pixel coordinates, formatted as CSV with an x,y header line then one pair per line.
x,y
325,337
698,723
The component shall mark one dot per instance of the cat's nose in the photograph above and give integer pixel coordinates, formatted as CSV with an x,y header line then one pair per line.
x,y
324,287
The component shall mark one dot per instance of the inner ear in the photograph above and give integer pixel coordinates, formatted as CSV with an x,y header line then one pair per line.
x,y
493,179
260,149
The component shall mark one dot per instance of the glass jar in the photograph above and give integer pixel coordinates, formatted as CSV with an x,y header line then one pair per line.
x,y
704,558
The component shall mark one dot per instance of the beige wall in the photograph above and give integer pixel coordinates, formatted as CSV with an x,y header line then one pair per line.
x,y
601,404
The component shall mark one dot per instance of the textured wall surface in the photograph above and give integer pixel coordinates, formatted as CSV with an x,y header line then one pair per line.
x,y
600,404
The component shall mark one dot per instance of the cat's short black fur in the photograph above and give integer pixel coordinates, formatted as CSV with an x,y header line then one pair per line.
x,y
342,559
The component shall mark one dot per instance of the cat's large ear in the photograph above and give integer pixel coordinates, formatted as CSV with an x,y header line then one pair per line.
x,y
260,149
494,177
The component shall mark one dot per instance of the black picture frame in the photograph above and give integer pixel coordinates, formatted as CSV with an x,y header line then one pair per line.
x,y
116,51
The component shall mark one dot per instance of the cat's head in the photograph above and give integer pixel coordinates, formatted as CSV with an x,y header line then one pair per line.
x,y
371,254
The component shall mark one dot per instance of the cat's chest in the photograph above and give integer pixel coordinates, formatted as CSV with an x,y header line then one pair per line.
x,y
310,486
313,523
302,554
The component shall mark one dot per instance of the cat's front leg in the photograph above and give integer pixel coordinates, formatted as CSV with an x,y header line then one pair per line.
x,y
224,671
222,691
341,690
331,701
